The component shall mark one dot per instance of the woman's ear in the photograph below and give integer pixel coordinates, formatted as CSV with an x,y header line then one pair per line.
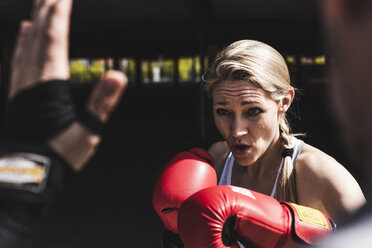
x,y
286,101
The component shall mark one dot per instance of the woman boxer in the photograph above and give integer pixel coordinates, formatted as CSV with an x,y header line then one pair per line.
x,y
250,88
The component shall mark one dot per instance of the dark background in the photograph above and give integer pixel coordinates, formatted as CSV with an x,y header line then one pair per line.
x,y
108,204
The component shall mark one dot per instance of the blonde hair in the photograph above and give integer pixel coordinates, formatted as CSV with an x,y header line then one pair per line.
x,y
260,64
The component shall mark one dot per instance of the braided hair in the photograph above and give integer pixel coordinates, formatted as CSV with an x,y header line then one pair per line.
x,y
286,190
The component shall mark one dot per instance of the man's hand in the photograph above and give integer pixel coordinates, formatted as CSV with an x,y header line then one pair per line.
x,y
41,55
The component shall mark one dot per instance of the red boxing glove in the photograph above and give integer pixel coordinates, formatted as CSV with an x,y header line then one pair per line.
x,y
186,173
220,216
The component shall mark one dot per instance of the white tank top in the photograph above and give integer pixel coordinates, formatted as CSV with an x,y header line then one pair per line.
x,y
225,178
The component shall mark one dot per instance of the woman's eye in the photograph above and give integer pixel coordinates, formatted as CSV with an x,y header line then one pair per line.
x,y
222,112
254,111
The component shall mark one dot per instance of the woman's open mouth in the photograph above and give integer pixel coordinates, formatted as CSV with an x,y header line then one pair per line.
x,y
240,149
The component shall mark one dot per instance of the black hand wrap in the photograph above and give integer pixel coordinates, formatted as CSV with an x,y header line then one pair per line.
x,y
37,114
43,111
80,93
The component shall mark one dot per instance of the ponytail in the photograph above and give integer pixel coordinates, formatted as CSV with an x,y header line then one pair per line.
x,y
286,190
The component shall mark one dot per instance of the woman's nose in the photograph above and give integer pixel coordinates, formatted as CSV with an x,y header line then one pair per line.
x,y
239,127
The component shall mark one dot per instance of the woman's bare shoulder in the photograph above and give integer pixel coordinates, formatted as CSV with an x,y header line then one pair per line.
x,y
322,181
314,162
219,152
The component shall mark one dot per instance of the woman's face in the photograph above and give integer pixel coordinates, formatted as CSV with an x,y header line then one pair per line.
x,y
247,118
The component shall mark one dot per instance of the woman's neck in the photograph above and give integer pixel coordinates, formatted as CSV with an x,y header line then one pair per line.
x,y
265,167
